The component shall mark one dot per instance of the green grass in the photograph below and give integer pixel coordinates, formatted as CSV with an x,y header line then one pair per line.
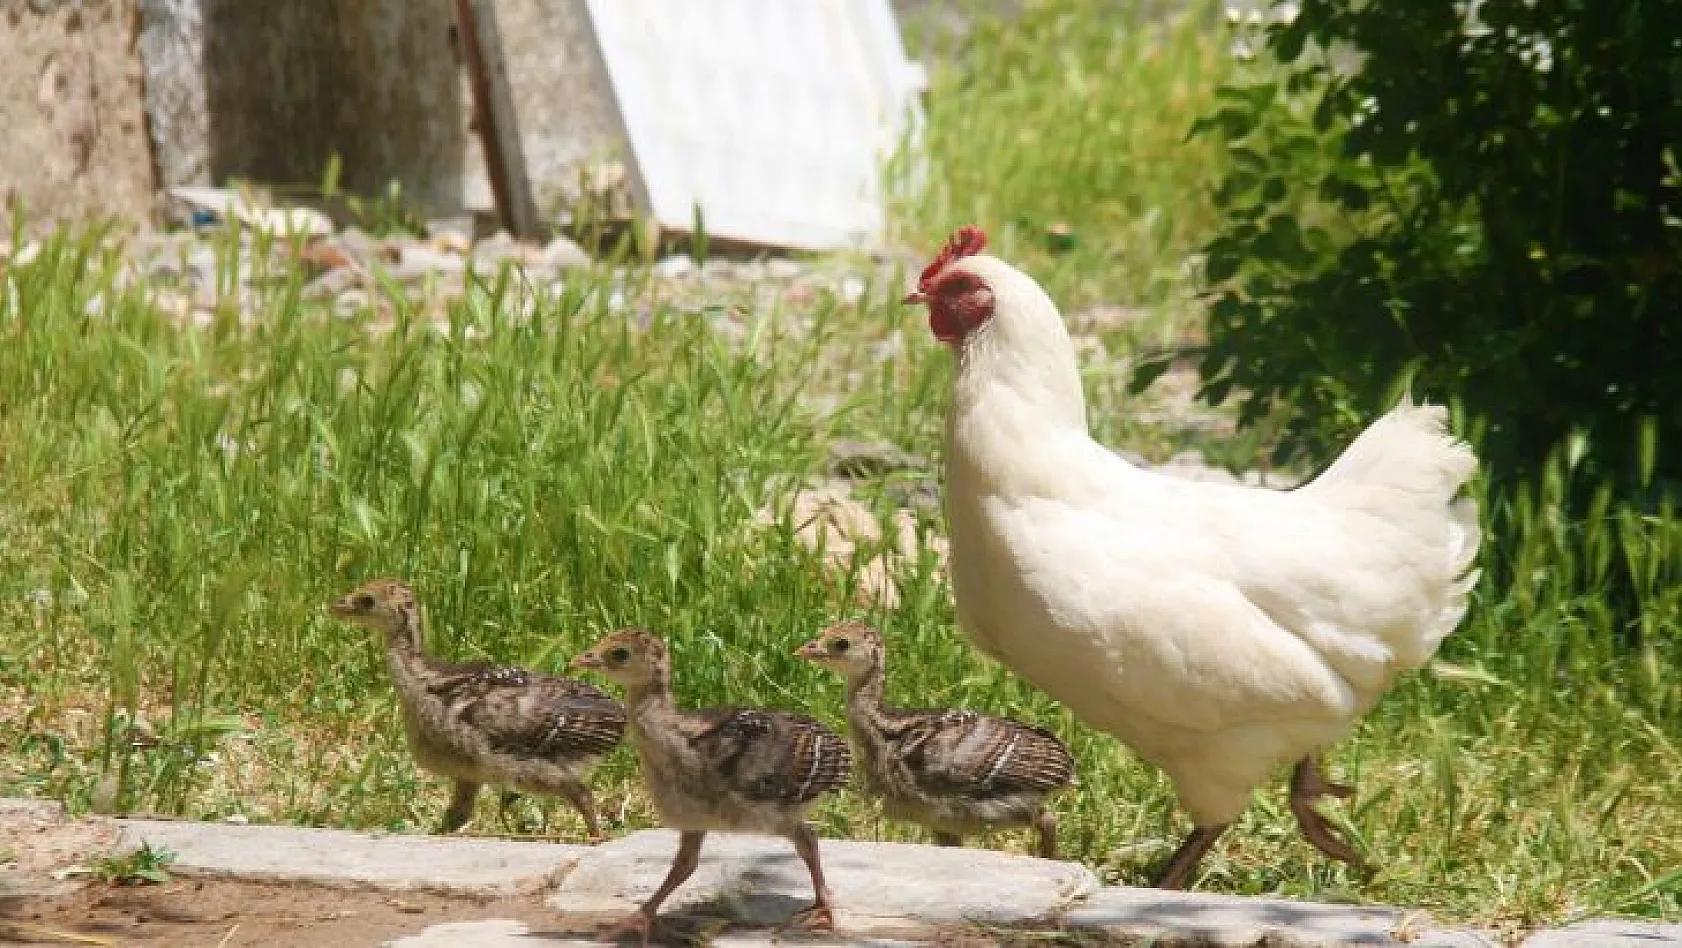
x,y
177,504
1076,115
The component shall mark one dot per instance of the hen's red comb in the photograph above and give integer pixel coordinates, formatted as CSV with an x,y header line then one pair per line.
x,y
964,242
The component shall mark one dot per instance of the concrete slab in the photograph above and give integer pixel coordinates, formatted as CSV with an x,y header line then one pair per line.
x,y
1220,921
1608,933
457,865
880,888
506,933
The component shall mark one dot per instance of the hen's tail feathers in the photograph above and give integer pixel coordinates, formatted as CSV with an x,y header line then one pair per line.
x,y
1409,452
1407,468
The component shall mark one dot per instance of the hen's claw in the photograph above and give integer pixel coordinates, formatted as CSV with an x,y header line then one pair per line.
x,y
1308,785
818,918
1176,874
636,923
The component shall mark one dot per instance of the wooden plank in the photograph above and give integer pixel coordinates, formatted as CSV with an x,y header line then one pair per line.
x,y
498,127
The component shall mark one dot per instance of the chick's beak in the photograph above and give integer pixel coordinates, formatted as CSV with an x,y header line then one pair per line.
x,y
586,660
811,651
915,296
341,608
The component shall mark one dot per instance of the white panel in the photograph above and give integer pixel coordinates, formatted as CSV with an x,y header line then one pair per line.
x,y
774,116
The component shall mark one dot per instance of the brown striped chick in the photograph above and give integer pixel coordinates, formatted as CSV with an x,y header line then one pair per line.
x,y
732,770
955,772
487,724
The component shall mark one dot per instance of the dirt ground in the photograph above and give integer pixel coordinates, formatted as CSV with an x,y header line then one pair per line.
x,y
39,905
190,913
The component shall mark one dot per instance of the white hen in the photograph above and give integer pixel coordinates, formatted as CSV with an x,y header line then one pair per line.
x,y
1217,630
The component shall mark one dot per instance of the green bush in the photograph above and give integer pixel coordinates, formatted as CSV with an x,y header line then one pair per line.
x,y
1485,209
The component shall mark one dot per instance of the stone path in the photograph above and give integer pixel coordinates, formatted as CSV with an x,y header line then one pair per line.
x,y
888,894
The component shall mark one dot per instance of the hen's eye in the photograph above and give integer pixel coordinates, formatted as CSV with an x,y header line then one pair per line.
x,y
619,655
364,601
840,646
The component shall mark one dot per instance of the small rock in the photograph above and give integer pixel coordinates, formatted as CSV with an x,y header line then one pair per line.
x,y
915,493
351,301
782,268
675,266
236,819
1189,465
563,254
365,248
451,242
857,459
325,255
332,284
419,260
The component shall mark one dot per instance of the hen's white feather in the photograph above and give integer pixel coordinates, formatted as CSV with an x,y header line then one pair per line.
x,y
1218,630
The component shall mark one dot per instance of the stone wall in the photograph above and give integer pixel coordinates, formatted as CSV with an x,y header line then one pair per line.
x,y
105,102
280,88
74,142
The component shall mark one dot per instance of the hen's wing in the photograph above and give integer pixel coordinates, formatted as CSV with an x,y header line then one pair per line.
x,y
962,753
772,756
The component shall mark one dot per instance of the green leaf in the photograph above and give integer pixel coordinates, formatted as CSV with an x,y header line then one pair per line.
x,y
1222,263
1148,371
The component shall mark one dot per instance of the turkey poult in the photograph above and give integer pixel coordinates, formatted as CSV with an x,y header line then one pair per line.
x,y
487,724
1218,630
733,770
954,772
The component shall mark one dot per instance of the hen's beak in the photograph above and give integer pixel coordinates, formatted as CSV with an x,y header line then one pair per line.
x,y
586,660
915,296
811,651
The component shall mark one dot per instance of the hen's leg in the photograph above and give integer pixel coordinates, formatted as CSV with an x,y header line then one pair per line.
x,y
461,807
1177,873
948,839
641,922
1308,785
1046,824
821,916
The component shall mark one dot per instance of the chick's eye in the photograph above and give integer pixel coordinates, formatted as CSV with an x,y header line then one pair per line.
x,y
619,655
364,601
840,646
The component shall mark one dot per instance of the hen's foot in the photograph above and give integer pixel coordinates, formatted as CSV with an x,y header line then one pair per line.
x,y
818,918
639,924
1178,872
1307,786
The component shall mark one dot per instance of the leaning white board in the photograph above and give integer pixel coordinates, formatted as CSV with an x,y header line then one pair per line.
x,y
775,117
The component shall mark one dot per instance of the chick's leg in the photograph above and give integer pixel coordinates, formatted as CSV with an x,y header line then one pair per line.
x,y
641,922
821,916
1046,825
504,802
585,803
1177,873
1308,785
461,807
